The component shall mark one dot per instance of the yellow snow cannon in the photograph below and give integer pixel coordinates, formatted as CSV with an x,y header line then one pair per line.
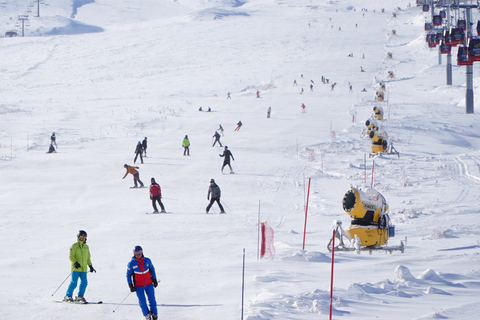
x,y
370,227
378,113
382,86
380,96
379,141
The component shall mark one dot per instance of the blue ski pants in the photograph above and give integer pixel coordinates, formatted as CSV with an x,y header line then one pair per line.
x,y
73,283
150,292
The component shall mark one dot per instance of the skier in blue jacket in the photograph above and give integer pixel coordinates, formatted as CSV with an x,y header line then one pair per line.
x,y
142,279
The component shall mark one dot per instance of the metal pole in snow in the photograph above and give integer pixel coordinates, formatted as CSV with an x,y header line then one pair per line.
x,y
373,168
306,211
331,275
243,280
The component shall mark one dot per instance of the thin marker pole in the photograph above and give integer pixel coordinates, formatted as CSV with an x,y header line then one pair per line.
x,y
331,277
306,211
243,280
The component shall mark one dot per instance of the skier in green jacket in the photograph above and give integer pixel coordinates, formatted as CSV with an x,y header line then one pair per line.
x,y
186,146
80,258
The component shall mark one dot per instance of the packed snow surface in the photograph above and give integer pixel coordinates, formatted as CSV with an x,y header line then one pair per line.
x,y
105,74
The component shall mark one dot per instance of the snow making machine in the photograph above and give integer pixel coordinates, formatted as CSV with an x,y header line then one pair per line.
x,y
379,139
370,226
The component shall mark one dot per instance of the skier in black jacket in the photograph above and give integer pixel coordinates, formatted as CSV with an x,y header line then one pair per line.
x,y
217,138
214,190
138,152
227,154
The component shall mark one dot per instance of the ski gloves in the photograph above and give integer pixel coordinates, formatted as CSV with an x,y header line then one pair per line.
x,y
133,289
77,266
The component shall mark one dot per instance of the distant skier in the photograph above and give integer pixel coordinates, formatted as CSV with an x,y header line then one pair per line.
x,y
303,108
217,139
80,258
295,82
227,155
214,190
53,139
301,91
136,176
200,109
186,146
138,152
269,112
156,196
142,279
258,94
220,128
228,96
311,87
144,146
239,125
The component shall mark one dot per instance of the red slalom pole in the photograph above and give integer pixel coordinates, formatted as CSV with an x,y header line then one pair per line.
x,y
306,211
331,278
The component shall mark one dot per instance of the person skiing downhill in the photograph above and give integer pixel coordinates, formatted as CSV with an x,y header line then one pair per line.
x,y
220,128
138,152
142,280
217,139
136,176
214,190
239,125
80,258
156,196
227,154
186,146
144,146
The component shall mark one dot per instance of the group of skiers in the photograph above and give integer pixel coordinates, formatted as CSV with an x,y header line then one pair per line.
x,y
141,276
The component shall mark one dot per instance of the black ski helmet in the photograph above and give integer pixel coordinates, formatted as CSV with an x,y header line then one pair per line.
x,y
81,233
152,180
137,249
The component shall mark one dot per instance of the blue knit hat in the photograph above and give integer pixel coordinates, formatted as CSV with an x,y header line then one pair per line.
x,y
137,248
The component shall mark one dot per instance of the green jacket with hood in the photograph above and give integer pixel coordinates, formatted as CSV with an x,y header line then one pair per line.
x,y
79,252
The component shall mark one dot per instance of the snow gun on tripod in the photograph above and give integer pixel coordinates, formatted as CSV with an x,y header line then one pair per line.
x,y
370,227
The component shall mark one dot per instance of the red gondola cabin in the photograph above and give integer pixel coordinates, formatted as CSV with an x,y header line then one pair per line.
x,y
463,58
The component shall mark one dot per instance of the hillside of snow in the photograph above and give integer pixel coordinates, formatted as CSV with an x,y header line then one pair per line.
x,y
105,74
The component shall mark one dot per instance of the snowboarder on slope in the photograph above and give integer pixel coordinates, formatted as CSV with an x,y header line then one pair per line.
x,y
269,112
217,139
186,146
144,146
156,196
80,258
227,154
138,152
214,190
136,176
142,279
53,139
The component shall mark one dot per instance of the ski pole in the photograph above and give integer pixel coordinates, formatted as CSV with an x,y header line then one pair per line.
x,y
226,206
62,283
122,301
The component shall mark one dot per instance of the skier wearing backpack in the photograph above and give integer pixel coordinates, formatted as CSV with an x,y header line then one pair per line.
x,y
142,279
156,196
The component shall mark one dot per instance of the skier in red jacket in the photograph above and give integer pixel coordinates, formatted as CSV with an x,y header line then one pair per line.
x,y
156,196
